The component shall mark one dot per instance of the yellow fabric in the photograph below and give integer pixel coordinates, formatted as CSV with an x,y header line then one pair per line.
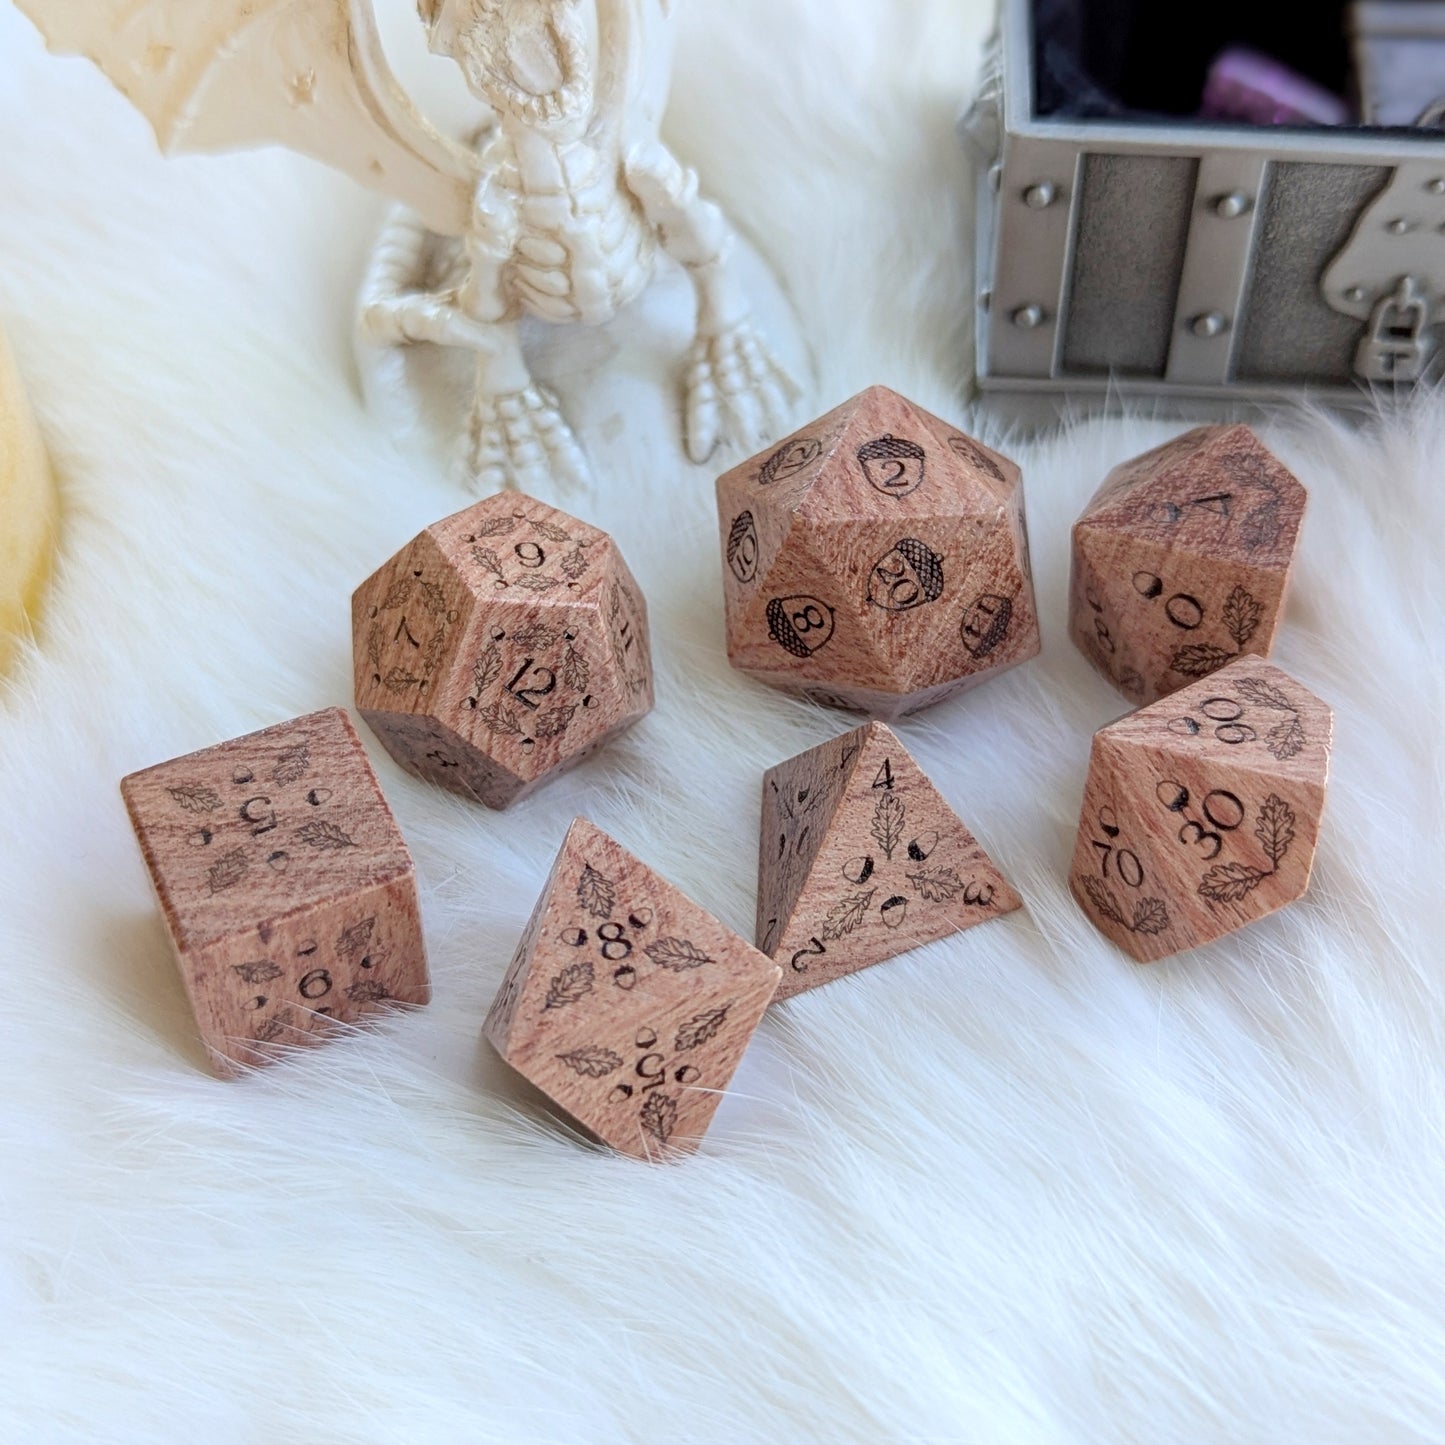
x,y
28,508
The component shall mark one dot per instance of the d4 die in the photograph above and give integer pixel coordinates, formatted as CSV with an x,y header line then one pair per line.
x,y
284,883
861,859
626,1003
1201,812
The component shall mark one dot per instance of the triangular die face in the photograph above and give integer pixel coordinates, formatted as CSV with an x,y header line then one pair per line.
x,y
628,1004
1248,715
897,869
894,461
800,798
776,480
1216,492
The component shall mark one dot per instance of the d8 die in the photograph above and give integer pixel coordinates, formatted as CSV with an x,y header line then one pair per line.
x,y
1181,561
284,883
626,1003
1201,812
502,645
877,561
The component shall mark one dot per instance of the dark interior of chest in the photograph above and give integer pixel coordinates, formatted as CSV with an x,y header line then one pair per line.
x,y
1146,59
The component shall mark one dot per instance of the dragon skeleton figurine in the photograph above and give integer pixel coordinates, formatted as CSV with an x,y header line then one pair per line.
x,y
557,209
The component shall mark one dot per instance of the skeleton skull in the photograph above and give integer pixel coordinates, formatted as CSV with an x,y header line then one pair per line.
x,y
528,59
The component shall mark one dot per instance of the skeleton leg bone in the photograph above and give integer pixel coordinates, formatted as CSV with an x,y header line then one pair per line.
x,y
736,391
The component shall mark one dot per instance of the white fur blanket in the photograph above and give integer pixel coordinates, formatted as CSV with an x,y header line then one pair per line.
x,y
1011,1188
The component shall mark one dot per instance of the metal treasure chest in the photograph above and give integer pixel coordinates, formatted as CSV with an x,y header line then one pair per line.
x,y
1135,240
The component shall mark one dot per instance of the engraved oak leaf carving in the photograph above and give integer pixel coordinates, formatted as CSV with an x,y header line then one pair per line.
x,y
354,939
1103,900
228,871
554,723
497,527
1275,828
1200,660
659,1117
432,598
1242,614
500,719
535,582
596,893
325,837
574,564
368,990
591,1061
1286,740
701,1028
573,983
487,669
550,531
262,972
677,954
1150,916
845,915
937,885
1264,694
398,680
1231,882
888,824
292,764
397,596
535,636
196,799
575,670
487,560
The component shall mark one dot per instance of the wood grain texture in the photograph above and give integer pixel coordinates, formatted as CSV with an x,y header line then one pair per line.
x,y
1201,813
1182,559
862,859
500,647
284,883
626,1003
877,560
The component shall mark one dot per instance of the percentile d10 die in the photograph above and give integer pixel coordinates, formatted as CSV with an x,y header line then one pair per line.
x,y
1201,812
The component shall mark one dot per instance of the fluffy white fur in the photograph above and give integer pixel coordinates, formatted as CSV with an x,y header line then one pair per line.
x,y
1012,1188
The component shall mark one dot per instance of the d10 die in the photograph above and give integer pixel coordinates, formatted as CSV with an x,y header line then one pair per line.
x,y
626,1003
1201,812
502,645
1182,559
285,885
877,561
861,859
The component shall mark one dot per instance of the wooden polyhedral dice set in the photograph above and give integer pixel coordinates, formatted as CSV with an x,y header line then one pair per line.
x,y
876,561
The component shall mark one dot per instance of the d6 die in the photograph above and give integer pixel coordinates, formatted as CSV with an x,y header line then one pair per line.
x,y
504,644
1181,561
626,1003
284,883
877,561
1201,812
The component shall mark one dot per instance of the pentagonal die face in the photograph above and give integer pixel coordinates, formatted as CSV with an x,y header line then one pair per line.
x,y
1201,813
877,561
502,645
1182,560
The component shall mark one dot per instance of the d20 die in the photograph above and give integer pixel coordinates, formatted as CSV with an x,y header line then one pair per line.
x,y
502,645
861,859
626,1003
877,561
284,883
1201,812
1181,561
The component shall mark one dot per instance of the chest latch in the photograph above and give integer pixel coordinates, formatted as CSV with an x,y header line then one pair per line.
x,y
1398,346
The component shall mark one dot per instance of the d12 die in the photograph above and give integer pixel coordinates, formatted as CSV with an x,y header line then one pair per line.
x,y
861,859
502,645
285,885
1201,812
877,561
626,1003
1181,561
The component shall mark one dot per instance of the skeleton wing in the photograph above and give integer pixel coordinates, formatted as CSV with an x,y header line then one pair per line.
x,y
310,75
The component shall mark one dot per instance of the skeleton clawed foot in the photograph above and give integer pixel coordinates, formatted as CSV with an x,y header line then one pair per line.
x,y
736,392
520,440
